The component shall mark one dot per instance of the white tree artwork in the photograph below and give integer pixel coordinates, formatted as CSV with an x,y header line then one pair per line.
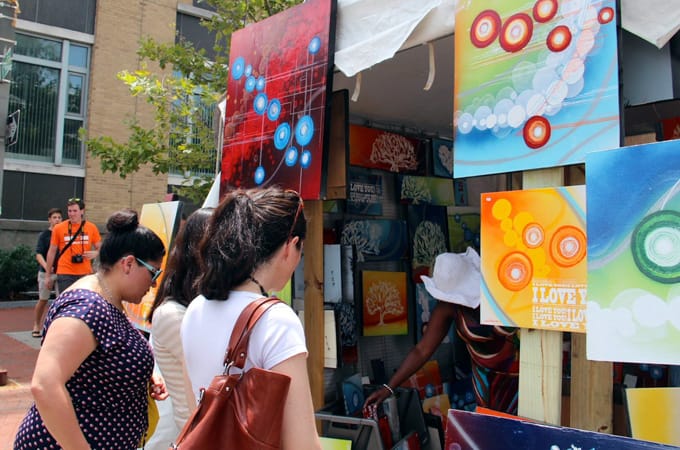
x,y
394,150
384,298
416,189
364,236
428,242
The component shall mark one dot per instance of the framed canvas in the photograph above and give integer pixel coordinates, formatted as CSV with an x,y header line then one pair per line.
x,y
277,108
464,228
426,190
163,219
376,240
465,429
442,158
534,270
428,236
633,199
536,84
365,193
378,149
385,307
460,192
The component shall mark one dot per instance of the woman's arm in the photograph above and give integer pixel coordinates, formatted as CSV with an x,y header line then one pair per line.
x,y
67,343
167,346
299,429
437,328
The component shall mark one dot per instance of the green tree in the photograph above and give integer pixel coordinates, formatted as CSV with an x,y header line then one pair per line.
x,y
181,138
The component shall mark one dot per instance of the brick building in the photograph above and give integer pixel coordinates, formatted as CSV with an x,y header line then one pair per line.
x,y
63,76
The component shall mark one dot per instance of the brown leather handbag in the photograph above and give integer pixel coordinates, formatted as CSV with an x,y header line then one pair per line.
x,y
242,410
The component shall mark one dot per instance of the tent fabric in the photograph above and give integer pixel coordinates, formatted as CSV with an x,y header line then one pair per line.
x,y
372,31
369,31
655,21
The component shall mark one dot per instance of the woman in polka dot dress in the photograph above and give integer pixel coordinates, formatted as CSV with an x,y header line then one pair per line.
x,y
94,368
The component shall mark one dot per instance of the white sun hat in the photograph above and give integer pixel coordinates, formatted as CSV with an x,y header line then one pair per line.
x,y
455,278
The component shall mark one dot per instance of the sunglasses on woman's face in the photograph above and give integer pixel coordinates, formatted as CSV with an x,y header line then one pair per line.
x,y
155,273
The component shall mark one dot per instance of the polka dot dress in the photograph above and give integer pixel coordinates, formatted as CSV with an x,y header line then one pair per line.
x,y
109,389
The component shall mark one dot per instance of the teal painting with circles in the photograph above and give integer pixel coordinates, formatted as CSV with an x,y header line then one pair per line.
x,y
633,218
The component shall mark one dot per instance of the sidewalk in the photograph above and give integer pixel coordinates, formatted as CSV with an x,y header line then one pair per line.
x,y
18,353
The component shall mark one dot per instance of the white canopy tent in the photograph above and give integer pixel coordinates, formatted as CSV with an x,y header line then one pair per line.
x,y
371,31
414,91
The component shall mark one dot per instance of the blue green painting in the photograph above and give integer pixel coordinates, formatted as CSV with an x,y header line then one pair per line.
x,y
633,222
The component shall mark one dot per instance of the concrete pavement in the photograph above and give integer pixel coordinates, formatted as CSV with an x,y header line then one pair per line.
x,y
18,353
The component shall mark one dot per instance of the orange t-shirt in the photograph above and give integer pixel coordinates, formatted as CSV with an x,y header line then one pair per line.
x,y
62,233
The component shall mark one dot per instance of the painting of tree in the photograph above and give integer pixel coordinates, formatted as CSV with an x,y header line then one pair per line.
x,y
429,237
385,307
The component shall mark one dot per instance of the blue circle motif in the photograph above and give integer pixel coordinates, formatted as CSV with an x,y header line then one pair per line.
x,y
250,84
237,68
259,175
260,103
291,156
274,109
314,45
260,84
282,136
248,70
306,159
304,130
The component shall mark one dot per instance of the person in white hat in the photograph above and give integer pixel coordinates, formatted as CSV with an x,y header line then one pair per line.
x,y
494,351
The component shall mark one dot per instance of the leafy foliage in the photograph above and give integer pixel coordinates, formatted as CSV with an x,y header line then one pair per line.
x,y
181,138
18,270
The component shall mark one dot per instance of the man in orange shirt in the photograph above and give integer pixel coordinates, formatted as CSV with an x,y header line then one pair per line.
x,y
77,243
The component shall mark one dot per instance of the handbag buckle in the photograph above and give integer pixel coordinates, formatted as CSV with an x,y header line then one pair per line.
x,y
227,368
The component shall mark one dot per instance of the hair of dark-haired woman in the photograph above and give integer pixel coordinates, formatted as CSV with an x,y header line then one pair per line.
x,y
127,237
183,267
246,229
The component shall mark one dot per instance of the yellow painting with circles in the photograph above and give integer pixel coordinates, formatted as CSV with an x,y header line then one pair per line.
x,y
163,219
533,252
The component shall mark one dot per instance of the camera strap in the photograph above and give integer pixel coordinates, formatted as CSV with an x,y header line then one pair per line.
x,y
68,244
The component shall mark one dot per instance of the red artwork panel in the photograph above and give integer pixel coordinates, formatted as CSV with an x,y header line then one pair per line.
x,y
378,149
277,95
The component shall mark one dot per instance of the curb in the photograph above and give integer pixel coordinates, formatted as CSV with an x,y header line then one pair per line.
x,y
17,304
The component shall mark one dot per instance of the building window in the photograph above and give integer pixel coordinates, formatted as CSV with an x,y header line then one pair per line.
x,y
49,79
206,116
76,15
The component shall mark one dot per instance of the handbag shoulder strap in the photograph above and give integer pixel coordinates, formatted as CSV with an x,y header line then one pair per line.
x,y
238,343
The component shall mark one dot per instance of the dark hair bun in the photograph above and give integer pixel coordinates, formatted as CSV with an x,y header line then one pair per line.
x,y
122,221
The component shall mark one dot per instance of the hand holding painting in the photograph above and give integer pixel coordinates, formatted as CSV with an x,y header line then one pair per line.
x,y
493,350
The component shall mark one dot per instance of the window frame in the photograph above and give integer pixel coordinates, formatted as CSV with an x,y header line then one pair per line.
x,y
67,38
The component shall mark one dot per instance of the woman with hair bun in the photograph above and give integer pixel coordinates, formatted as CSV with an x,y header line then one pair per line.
x,y
94,370
252,246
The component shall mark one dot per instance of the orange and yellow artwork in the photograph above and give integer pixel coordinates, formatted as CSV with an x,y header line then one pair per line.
x,y
385,308
533,252
653,414
163,219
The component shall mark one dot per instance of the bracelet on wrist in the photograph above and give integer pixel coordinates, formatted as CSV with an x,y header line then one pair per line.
x,y
387,386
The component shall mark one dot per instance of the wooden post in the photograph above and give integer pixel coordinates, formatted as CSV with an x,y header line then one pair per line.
x,y
591,396
540,373
313,299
